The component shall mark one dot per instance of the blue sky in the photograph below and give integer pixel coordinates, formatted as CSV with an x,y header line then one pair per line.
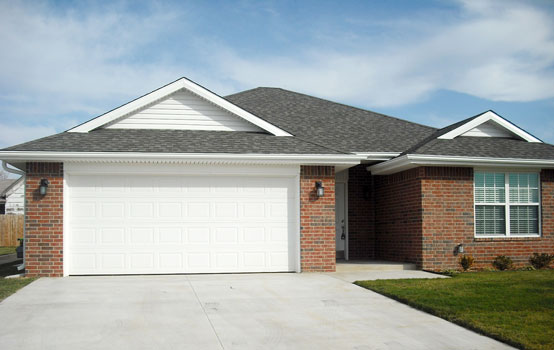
x,y
433,62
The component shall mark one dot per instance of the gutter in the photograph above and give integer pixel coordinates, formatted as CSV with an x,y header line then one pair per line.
x,y
225,158
11,170
377,155
410,161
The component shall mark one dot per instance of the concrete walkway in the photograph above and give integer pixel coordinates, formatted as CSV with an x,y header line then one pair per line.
x,y
250,311
353,276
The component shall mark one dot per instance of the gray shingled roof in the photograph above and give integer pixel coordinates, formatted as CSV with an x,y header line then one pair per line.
x,y
319,127
331,124
493,147
486,147
171,141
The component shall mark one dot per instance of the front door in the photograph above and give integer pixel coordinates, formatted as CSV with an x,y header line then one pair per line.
x,y
340,219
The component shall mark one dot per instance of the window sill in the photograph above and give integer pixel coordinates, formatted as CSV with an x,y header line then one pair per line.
x,y
506,238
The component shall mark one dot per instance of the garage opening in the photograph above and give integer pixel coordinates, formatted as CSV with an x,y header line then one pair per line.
x,y
143,224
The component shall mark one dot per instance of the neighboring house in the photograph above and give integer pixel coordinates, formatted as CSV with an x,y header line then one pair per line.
x,y
12,196
183,180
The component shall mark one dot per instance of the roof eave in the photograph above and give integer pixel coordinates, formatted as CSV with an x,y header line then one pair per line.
x,y
410,161
211,158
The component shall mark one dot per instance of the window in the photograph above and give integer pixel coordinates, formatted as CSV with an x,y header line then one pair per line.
x,y
506,204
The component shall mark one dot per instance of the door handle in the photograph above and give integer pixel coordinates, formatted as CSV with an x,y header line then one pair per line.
x,y
343,235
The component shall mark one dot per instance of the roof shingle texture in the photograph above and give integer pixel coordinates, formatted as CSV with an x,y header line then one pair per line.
x,y
486,147
319,127
331,124
171,141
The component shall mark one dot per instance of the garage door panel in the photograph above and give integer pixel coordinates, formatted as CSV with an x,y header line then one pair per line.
x,y
176,224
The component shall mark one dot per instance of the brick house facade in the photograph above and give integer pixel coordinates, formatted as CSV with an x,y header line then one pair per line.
x,y
423,214
409,192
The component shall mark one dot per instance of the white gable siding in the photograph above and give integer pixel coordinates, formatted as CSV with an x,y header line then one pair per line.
x,y
15,203
184,111
489,129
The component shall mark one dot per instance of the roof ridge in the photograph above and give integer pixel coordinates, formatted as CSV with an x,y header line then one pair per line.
x,y
438,133
337,103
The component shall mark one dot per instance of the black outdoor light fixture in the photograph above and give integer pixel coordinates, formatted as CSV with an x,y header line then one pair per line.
x,y
319,189
461,248
43,186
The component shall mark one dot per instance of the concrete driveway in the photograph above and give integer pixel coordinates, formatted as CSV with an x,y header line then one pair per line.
x,y
252,311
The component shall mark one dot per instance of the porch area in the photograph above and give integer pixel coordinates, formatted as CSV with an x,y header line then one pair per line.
x,y
360,270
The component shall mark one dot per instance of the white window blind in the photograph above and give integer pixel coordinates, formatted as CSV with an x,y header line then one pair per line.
x,y
506,204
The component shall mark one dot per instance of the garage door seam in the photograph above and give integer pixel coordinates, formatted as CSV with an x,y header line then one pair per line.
x,y
205,313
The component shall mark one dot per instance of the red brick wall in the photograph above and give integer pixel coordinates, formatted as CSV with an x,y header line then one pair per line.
x,y
317,219
398,217
423,214
484,250
361,213
44,221
447,203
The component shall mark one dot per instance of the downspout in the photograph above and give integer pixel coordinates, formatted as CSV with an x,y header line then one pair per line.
x,y
22,173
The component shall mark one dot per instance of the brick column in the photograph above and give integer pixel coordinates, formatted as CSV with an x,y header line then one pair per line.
x,y
44,220
317,220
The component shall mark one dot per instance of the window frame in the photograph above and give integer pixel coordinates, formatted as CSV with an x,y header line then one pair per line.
x,y
507,203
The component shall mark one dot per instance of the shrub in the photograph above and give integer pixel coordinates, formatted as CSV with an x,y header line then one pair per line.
x,y
466,261
541,261
502,262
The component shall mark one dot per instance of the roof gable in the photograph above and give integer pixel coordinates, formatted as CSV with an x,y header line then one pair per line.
x,y
166,93
488,124
183,110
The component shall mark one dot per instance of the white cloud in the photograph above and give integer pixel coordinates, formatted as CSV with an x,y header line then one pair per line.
x,y
498,51
69,61
55,63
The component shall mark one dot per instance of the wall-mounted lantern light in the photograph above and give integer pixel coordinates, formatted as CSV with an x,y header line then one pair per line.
x,y
460,248
319,189
43,186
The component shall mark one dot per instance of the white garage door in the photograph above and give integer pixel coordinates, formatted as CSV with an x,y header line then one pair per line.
x,y
139,224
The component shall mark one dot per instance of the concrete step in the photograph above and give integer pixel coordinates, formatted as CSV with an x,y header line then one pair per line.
x,y
373,265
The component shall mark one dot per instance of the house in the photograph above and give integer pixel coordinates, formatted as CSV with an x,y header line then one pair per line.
x,y
12,196
183,180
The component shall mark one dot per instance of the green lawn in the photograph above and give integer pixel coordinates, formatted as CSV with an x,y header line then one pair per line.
x,y
11,285
7,250
516,307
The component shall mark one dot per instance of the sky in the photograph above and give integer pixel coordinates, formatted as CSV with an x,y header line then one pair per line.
x,y
430,62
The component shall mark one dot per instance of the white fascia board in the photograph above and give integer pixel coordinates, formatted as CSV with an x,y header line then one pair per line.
x,y
485,117
410,161
167,90
212,158
377,155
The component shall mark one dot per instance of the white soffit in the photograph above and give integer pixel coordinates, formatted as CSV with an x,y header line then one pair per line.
x,y
410,161
191,89
489,124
